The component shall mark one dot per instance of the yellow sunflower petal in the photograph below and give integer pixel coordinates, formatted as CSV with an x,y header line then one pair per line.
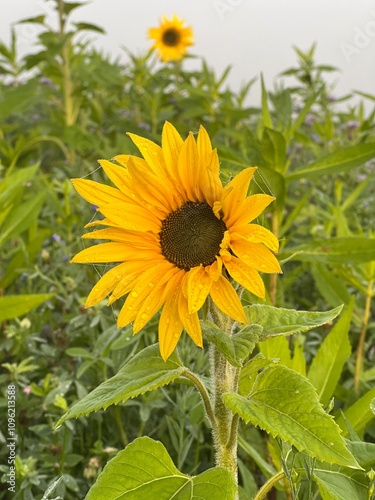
x,y
132,238
154,300
256,255
130,216
96,193
256,234
210,186
111,252
249,209
198,287
190,321
188,167
119,176
226,299
144,284
171,146
205,149
106,284
170,324
124,286
154,190
152,153
246,276
235,193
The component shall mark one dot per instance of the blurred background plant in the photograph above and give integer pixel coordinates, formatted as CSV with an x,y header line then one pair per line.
x,y
66,105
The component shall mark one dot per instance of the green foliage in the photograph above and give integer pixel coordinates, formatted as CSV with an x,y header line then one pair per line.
x,y
145,372
14,306
164,482
285,404
65,105
280,321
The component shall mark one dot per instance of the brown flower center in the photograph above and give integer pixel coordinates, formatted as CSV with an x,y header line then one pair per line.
x,y
171,37
191,235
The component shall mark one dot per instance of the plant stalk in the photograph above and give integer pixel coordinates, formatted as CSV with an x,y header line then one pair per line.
x,y
224,379
267,487
362,336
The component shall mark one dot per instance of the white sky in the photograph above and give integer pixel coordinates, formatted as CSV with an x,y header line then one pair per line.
x,y
253,36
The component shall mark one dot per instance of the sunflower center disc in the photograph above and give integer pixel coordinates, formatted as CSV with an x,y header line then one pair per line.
x,y
171,37
191,235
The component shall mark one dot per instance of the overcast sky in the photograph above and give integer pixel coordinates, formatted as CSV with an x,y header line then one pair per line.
x,y
253,36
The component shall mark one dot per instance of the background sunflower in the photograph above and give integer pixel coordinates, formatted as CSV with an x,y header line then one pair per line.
x,y
171,38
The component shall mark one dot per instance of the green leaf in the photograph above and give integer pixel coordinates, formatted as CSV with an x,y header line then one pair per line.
x,y
14,306
340,483
372,406
347,250
339,161
145,470
279,321
335,350
34,20
284,403
363,452
266,115
332,288
89,27
145,372
17,100
277,348
359,414
70,6
235,348
274,149
269,180
21,217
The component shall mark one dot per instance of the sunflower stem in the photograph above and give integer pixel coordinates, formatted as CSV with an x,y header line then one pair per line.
x,y
224,378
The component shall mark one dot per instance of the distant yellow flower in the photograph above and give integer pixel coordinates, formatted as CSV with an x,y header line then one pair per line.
x,y
177,233
171,39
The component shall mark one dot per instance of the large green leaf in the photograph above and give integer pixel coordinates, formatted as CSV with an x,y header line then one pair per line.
x,y
14,306
285,404
145,372
234,348
280,321
326,367
144,470
347,250
339,161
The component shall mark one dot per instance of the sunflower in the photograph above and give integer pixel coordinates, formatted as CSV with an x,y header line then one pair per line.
x,y
177,235
171,39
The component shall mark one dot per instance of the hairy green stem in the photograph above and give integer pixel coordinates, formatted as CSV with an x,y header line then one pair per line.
x,y
224,378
